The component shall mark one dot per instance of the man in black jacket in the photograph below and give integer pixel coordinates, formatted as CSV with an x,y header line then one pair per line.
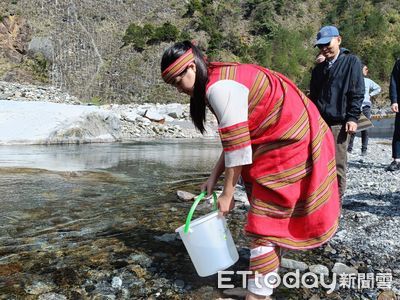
x,y
394,93
337,89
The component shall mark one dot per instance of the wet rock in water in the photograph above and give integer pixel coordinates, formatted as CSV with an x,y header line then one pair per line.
x,y
340,268
166,237
116,283
9,269
179,283
38,288
66,277
235,292
185,196
319,270
139,271
118,264
206,292
104,290
52,296
141,259
293,264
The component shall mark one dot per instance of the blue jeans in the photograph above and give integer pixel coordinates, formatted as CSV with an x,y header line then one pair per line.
x,y
396,138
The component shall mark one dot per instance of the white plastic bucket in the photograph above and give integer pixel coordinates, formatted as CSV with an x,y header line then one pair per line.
x,y
208,241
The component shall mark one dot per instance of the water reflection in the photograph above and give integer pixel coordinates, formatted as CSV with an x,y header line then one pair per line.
x,y
172,153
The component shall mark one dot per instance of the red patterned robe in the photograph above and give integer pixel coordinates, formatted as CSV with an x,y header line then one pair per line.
x,y
291,180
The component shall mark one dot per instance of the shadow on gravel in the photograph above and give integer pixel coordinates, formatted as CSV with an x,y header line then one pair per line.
x,y
362,202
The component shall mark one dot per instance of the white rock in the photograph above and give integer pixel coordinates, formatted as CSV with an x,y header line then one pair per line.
x,y
340,268
116,283
130,116
153,115
186,196
319,270
293,264
52,296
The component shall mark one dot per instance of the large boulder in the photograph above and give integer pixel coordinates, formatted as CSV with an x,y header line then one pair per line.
x,y
53,123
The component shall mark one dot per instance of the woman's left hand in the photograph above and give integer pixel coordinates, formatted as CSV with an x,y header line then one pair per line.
x,y
225,203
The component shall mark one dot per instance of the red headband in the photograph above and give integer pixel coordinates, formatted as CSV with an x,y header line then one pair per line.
x,y
178,66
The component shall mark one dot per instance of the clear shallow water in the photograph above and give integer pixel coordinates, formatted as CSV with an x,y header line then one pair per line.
x,y
86,206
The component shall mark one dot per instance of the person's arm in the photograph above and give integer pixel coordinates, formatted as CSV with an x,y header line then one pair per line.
x,y
355,96
374,88
228,100
215,174
225,200
394,83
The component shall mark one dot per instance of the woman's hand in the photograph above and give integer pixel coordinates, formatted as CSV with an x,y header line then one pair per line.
x,y
208,185
225,203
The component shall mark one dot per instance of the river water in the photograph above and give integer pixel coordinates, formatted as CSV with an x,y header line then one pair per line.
x,y
72,215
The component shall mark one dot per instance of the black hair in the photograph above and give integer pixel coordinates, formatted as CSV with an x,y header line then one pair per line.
x,y
198,100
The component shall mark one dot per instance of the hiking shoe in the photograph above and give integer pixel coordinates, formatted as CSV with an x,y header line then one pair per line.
x,y
349,150
364,153
394,166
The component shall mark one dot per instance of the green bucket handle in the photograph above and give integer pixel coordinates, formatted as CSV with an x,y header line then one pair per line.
x,y
192,209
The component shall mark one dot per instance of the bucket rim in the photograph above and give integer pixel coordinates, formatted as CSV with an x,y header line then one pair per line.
x,y
200,220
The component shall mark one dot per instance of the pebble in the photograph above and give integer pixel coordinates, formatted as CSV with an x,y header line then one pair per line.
x,y
52,296
235,292
166,237
185,196
319,269
116,283
293,264
340,268
179,283
38,288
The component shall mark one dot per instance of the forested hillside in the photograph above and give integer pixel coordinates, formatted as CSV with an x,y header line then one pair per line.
x,y
109,50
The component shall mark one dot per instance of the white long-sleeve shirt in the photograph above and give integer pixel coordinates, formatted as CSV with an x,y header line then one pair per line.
x,y
371,89
229,100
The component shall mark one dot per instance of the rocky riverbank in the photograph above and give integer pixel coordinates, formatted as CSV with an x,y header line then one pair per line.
x,y
116,122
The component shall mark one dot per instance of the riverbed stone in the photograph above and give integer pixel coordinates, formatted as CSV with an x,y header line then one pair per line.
x,y
38,288
293,264
179,283
319,269
235,292
166,237
116,282
185,196
52,296
340,268
141,259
